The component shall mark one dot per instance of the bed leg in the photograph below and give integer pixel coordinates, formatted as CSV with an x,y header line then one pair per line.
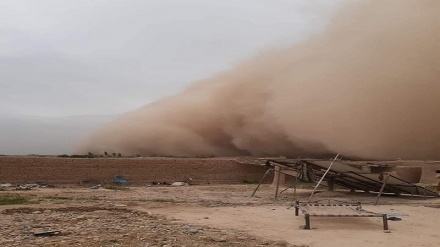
x,y
307,218
296,208
385,222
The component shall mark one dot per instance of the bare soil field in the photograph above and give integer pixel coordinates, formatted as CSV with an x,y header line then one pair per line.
x,y
216,210
206,215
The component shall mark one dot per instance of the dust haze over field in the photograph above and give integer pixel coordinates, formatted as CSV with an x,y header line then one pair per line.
x,y
368,86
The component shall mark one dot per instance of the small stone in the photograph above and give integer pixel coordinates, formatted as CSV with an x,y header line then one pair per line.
x,y
281,243
81,217
37,212
206,218
178,184
47,211
193,230
220,239
5,185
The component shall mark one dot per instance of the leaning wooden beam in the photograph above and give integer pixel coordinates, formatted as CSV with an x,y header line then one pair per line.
x,y
261,181
322,178
382,188
296,182
278,175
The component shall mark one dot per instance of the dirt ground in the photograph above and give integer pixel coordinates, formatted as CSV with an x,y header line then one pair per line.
x,y
207,215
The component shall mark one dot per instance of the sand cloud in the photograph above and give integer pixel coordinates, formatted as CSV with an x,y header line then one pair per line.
x,y
368,86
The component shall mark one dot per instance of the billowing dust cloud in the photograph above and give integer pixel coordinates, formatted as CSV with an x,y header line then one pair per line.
x,y
368,86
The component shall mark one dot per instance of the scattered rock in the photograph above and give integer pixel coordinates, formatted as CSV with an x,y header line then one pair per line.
x,y
220,239
5,185
96,186
160,183
281,243
179,184
193,230
81,217
20,187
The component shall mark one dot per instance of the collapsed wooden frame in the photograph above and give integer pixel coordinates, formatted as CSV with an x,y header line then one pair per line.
x,y
343,175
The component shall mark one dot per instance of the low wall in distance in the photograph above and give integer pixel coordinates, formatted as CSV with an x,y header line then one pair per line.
x,y
54,170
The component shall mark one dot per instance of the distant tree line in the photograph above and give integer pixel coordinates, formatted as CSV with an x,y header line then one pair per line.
x,y
92,155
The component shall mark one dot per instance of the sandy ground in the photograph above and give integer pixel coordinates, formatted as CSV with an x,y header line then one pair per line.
x,y
228,210
420,228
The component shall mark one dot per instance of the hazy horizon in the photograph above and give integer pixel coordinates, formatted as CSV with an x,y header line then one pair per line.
x,y
75,58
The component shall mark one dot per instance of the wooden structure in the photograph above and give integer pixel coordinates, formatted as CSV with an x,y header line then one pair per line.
x,y
376,178
281,169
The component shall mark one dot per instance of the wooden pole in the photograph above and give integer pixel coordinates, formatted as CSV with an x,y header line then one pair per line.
x,y
331,183
323,176
385,222
261,181
278,175
382,188
307,218
294,188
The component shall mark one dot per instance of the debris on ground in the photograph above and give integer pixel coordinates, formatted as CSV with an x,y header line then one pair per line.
x,y
27,186
96,186
120,179
107,226
394,218
47,234
5,185
160,183
179,184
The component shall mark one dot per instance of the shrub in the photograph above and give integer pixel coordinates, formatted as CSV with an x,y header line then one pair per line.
x,y
11,199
